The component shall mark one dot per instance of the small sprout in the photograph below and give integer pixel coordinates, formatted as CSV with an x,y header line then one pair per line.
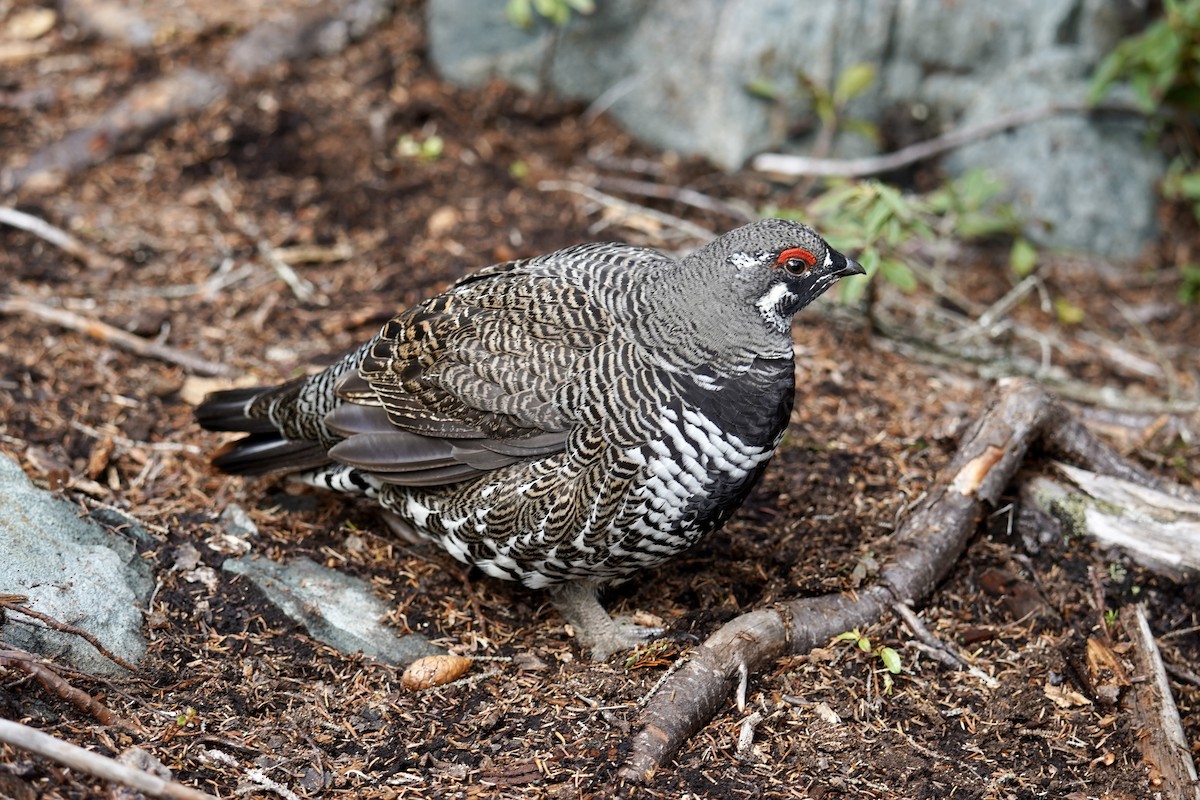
x,y
889,656
521,12
1067,312
1117,572
518,170
1023,258
853,81
428,149
891,660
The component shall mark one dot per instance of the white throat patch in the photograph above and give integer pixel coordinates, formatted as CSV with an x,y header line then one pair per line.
x,y
769,303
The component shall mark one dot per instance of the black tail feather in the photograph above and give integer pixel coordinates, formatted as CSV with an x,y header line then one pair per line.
x,y
226,411
265,450
267,453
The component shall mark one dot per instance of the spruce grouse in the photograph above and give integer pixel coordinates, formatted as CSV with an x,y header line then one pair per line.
x,y
564,420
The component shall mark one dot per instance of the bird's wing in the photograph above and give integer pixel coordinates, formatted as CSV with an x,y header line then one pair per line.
x,y
468,381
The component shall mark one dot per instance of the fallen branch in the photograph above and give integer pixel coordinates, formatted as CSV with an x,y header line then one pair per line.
x,y
57,237
1020,415
34,741
115,336
1155,529
1164,744
54,683
143,112
925,548
794,166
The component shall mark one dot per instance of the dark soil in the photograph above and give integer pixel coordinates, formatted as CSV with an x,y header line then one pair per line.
x,y
306,155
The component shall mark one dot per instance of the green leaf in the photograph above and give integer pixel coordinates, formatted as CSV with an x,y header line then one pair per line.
x,y
898,274
763,87
864,644
1023,258
519,13
1067,312
891,660
864,128
852,289
875,219
848,636
853,81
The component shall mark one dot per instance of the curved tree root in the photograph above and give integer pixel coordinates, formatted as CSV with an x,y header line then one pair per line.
x,y
1020,414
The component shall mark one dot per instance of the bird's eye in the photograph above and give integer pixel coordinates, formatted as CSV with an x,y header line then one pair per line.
x,y
796,260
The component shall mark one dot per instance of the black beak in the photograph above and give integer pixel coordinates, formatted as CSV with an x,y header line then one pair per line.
x,y
848,266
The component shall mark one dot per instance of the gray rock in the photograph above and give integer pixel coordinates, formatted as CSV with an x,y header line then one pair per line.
x,y
675,74
1082,184
337,609
72,570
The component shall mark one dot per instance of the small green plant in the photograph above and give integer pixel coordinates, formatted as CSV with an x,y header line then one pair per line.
x,y
876,221
889,657
1161,65
521,13
428,149
828,104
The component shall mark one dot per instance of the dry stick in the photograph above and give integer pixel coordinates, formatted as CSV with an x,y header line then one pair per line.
x,y
57,237
1164,743
689,197
926,547
301,288
54,683
34,741
595,195
115,336
796,166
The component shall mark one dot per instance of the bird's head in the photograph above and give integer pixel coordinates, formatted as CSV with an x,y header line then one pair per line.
x,y
777,265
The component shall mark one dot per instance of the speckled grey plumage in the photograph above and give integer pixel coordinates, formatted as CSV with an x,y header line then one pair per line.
x,y
573,417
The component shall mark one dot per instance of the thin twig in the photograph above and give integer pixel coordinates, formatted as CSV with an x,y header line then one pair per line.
x,y
689,197
57,237
938,649
114,336
631,209
129,444
301,288
63,627
42,744
796,166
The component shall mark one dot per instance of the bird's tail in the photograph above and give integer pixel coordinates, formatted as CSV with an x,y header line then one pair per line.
x,y
285,423
269,448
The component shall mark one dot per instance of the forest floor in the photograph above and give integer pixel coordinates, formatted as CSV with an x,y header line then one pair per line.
x,y
302,161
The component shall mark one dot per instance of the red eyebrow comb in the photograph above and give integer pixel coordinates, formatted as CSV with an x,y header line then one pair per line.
x,y
797,252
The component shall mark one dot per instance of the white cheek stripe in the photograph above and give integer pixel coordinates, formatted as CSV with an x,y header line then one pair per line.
x,y
768,306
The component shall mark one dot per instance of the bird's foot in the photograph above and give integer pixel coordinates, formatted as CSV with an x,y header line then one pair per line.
x,y
598,632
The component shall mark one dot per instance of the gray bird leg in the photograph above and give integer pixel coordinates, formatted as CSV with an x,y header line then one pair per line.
x,y
599,633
